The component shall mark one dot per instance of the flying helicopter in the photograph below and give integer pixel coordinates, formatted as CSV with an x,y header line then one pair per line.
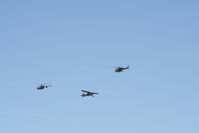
x,y
42,86
120,69
88,93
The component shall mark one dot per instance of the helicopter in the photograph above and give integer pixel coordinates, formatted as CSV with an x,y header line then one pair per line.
x,y
88,93
42,86
120,69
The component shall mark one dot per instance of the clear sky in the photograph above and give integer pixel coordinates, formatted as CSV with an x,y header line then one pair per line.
x,y
73,45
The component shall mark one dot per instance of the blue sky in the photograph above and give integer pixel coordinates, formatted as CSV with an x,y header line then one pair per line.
x,y
72,45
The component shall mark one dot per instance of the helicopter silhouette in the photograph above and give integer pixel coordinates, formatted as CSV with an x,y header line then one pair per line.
x,y
88,93
42,86
120,69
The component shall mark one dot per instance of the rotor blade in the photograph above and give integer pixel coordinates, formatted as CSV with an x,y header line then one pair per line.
x,y
85,91
114,67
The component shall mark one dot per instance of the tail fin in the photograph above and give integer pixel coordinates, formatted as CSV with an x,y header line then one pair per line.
x,y
48,86
127,67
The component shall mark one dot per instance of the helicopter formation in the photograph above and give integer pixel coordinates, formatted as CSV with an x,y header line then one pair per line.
x,y
85,93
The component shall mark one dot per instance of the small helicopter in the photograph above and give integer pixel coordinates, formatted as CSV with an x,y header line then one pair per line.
x,y
88,93
42,86
120,69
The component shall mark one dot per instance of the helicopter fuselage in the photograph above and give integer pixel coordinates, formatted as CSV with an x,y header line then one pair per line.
x,y
120,69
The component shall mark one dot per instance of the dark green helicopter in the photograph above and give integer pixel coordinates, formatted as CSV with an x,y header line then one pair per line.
x,y
120,69
88,93
42,86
